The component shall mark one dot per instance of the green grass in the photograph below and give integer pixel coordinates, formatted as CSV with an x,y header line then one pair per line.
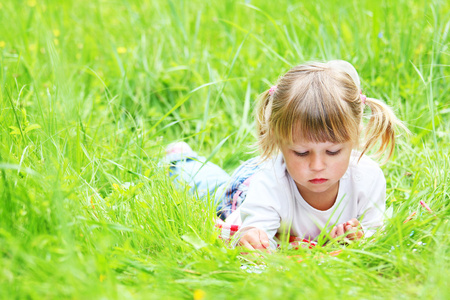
x,y
110,83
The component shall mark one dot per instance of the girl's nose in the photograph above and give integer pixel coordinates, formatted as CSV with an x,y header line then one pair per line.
x,y
317,163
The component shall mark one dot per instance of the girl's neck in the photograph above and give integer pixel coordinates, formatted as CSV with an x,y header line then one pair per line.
x,y
320,201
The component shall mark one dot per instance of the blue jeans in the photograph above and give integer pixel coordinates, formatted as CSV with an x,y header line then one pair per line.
x,y
205,179
208,181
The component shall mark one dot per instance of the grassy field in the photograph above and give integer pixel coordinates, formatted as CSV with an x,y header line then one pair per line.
x,y
92,91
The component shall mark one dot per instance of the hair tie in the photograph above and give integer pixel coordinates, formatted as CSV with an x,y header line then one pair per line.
x,y
272,89
363,98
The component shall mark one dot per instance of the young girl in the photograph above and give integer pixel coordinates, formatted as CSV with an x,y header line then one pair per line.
x,y
309,178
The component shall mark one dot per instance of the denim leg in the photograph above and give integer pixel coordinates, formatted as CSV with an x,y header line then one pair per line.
x,y
203,178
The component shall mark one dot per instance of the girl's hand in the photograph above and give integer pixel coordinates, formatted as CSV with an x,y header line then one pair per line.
x,y
350,230
255,239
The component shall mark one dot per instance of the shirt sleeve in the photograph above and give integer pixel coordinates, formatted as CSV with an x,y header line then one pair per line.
x,y
261,208
373,205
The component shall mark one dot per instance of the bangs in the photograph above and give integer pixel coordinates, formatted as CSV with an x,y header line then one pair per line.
x,y
318,115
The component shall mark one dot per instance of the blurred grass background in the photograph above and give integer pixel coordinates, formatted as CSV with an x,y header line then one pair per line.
x,y
92,91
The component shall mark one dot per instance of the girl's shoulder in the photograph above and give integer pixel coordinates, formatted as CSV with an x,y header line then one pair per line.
x,y
271,172
363,168
268,171
274,167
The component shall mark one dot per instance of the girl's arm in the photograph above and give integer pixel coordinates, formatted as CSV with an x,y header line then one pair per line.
x,y
371,201
260,213
372,206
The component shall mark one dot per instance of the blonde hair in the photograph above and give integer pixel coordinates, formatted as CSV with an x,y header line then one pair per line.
x,y
321,102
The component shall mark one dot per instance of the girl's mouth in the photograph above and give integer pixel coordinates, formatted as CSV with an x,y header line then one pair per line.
x,y
318,180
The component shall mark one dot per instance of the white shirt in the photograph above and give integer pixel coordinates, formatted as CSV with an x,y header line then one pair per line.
x,y
274,204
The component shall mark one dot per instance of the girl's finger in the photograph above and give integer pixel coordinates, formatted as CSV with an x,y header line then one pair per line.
x,y
349,228
264,239
340,230
352,235
246,244
251,238
259,246
359,234
260,241
353,222
250,247
350,231
333,232
255,243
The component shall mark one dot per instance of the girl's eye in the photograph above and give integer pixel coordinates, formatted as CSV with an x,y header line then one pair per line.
x,y
301,153
333,152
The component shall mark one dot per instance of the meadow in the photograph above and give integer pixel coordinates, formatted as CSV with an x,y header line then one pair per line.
x,y
91,93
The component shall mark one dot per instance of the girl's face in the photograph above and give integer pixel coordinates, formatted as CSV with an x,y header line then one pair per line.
x,y
317,168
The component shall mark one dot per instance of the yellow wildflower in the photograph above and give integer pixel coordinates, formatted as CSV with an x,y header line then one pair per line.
x,y
199,294
121,50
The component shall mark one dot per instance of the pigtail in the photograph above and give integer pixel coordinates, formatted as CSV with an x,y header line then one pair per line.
x,y
265,142
382,127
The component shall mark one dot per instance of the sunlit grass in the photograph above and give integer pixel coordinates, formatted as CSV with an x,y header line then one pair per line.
x,y
92,91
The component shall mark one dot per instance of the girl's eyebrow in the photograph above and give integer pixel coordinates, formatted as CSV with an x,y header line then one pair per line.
x,y
309,146
297,147
332,148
